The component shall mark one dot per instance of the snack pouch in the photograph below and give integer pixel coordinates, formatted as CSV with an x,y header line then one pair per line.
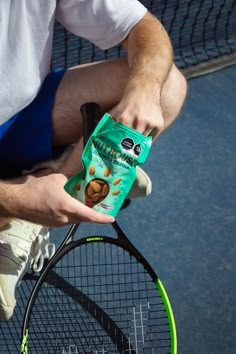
x,y
109,158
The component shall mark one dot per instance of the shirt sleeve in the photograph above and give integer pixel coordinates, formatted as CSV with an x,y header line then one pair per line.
x,y
103,22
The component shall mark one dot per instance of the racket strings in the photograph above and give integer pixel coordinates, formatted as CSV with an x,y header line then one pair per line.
x,y
11,330
98,299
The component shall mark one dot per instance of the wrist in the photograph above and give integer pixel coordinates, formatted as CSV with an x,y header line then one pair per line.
x,y
144,88
8,199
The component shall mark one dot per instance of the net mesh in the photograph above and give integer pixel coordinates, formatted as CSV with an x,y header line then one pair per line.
x,y
10,331
201,32
98,299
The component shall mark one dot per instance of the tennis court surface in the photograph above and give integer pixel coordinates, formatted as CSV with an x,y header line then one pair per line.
x,y
186,228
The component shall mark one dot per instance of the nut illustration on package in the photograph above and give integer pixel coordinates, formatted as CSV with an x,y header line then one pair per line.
x,y
109,158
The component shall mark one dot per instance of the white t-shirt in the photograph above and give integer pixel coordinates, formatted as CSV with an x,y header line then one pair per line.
x,y
26,33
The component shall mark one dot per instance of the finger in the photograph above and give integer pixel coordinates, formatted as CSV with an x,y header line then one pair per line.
x,y
141,126
155,133
147,131
90,215
96,217
84,213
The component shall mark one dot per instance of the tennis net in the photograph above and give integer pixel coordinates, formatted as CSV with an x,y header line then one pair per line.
x,y
203,34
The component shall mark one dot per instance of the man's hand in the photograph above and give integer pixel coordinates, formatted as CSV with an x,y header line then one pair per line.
x,y
44,201
140,109
150,58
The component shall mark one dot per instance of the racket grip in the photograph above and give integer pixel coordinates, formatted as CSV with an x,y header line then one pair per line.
x,y
90,114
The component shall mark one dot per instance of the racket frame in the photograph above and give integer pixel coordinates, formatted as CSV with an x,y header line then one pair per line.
x,y
90,115
121,241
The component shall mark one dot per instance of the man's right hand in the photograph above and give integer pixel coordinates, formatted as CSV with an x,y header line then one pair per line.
x,y
44,201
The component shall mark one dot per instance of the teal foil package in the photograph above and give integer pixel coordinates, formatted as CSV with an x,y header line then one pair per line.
x,y
109,158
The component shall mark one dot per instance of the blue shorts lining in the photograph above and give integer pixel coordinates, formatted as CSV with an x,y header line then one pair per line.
x,y
26,139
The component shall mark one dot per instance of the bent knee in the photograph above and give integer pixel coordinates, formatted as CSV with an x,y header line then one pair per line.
x,y
177,84
173,95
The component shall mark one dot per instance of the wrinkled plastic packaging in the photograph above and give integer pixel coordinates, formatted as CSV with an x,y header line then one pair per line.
x,y
109,158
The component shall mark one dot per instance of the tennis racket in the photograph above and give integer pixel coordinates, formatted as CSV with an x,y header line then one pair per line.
x,y
98,294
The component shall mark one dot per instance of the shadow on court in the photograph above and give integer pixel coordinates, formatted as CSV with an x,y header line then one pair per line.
x,y
186,228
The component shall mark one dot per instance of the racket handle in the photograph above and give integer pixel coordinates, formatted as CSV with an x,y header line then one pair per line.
x,y
90,114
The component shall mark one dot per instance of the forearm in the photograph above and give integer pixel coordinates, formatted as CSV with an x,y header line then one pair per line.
x,y
43,200
150,53
8,192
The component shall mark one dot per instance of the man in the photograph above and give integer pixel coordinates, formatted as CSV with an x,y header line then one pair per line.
x,y
40,114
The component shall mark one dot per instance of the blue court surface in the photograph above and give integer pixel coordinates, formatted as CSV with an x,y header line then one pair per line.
x,y
187,227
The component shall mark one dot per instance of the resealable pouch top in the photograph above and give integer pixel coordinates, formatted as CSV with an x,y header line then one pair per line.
x,y
109,158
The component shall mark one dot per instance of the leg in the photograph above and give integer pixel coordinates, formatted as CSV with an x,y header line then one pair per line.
x,y
103,83
173,95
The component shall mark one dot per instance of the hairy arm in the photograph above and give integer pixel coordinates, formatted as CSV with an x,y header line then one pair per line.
x,y
150,53
44,201
6,198
150,58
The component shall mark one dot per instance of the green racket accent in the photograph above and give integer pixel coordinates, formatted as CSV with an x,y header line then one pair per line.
x,y
94,239
24,344
170,316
